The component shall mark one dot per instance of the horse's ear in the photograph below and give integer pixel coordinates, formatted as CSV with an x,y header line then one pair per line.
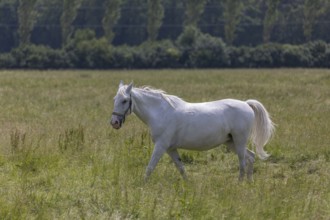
x,y
129,88
121,83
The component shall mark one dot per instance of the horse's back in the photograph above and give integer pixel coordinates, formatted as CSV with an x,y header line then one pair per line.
x,y
224,107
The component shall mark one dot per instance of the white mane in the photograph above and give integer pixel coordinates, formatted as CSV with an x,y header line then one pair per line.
x,y
174,101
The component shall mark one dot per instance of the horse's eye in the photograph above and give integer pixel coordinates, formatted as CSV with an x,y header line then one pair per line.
x,y
124,102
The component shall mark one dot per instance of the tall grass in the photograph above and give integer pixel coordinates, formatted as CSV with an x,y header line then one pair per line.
x,y
59,158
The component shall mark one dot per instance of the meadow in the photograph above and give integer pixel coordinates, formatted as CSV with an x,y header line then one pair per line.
x,y
60,158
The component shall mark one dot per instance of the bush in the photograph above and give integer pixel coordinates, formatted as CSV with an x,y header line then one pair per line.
x,y
122,57
192,49
240,57
201,50
7,61
327,58
188,38
85,51
94,53
296,56
318,51
39,57
268,55
162,54
209,52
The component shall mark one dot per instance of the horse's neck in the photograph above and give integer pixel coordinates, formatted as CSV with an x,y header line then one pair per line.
x,y
147,106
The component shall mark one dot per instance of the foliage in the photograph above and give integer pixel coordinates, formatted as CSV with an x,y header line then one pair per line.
x,y
155,17
194,10
162,54
312,10
201,50
208,51
26,18
110,18
193,49
238,22
188,37
268,55
313,54
7,60
123,57
132,25
232,15
297,56
85,51
270,18
39,57
95,53
69,13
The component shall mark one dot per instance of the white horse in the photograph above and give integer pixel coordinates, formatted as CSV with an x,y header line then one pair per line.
x,y
175,124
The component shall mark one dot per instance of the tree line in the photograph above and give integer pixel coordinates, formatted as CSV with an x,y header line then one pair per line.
x,y
128,25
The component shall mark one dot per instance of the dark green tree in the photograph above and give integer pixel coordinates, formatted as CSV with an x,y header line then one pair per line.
x,y
155,18
27,16
69,13
232,15
313,9
132,25
8,15
194,10
270,18
110,18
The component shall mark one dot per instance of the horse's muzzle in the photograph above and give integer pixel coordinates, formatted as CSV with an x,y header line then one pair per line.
x,y
116,121
116,125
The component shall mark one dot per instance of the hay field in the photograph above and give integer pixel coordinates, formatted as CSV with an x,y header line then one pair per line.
x,y
60,159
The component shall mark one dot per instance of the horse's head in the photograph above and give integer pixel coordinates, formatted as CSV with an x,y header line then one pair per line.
x,y
122,105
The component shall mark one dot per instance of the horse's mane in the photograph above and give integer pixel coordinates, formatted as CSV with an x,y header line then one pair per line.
x,y
152,90
171,99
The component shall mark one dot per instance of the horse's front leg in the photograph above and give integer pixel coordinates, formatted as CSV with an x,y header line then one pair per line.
x,y
158,152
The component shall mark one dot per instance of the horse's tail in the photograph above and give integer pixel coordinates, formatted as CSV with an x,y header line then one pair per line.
x,y
263,128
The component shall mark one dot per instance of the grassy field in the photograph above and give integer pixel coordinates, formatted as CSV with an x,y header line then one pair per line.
x,y
60,159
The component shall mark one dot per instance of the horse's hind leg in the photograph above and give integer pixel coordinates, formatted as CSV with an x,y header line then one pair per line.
x,y
177,161
240,151
239,144
242,162
244,155
250,161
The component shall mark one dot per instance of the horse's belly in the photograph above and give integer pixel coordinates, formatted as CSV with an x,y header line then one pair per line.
x,y
202,140
199,147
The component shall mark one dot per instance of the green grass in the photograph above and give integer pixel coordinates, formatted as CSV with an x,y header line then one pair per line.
x,y
60,159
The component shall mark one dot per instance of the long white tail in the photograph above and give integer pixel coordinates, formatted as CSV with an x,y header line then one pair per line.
x,y
263,128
